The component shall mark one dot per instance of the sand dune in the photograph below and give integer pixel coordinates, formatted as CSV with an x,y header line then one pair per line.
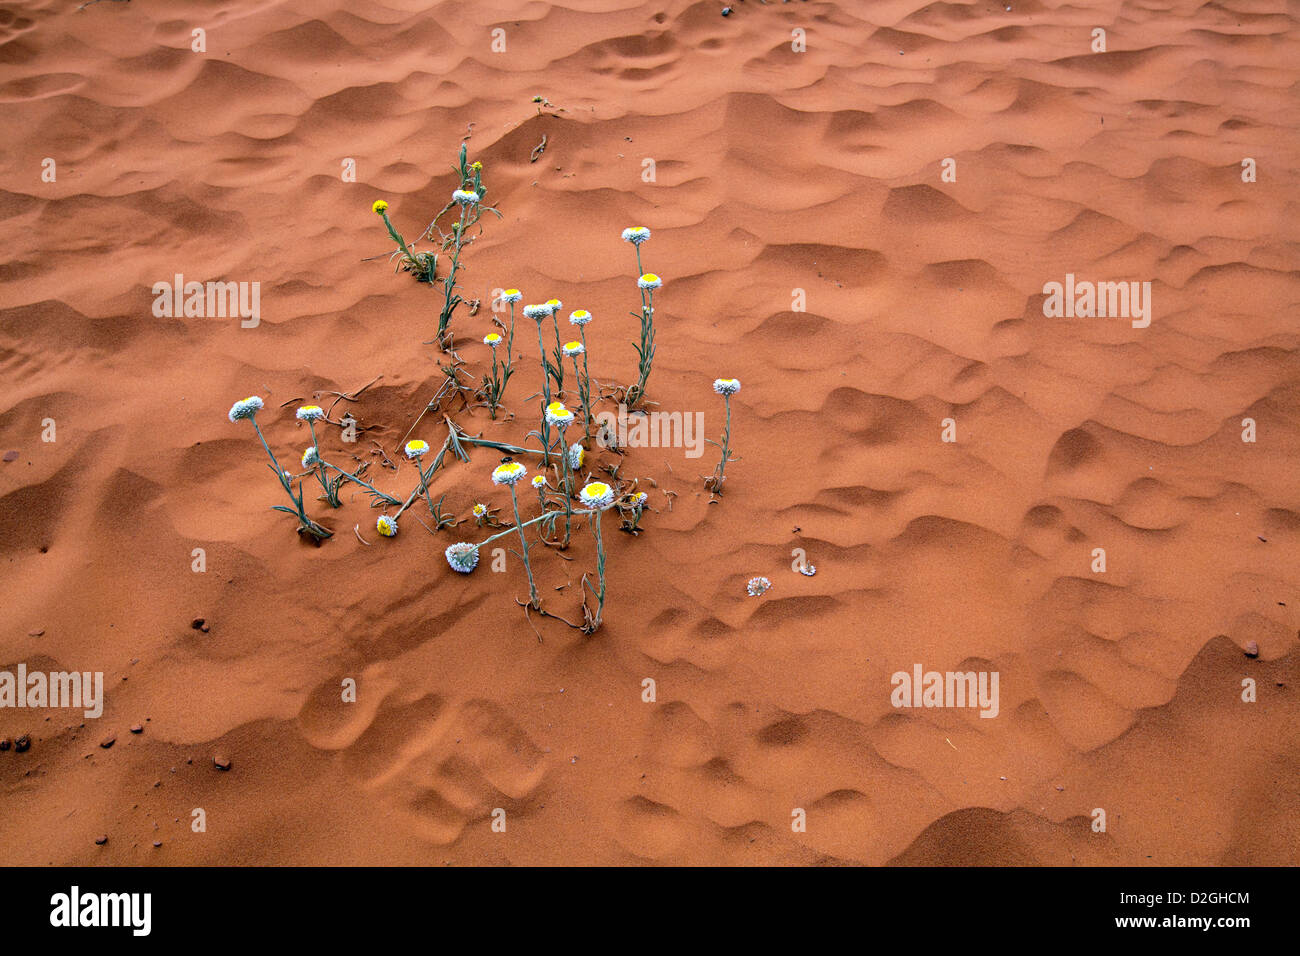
x,y
778,174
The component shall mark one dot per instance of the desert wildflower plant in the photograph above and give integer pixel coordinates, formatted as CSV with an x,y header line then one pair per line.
x,y
509,473
726,387
247,409
455,427
598,497
647,282
467,205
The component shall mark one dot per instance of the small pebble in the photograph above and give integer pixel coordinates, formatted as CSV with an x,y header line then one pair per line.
x,y
222,763
36,633
157,843
1252,649
23,744
197,623
108,742
5,744
726,12
137,728
11,456
101,839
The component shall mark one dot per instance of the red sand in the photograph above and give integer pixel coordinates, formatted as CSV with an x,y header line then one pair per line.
x,y
775,171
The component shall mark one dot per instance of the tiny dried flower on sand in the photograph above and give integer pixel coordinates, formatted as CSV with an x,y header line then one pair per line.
x,y
757,586
462,557
386,526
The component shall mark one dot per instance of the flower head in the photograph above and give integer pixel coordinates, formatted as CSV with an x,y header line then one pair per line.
x,y
649,281
480,510
577,454
638,500
476,165
511,295
636,235
379,207
247,408
557,414
726,386
554,305
581,317
596,495
310,457
537,312
462,557
415,448
310,413
492,339
508,473
465,197
386,526
757,586
574,348
539,481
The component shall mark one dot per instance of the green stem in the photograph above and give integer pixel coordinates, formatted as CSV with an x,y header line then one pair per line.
x,y
523,543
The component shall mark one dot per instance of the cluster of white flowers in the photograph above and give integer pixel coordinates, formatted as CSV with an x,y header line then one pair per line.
x,y
247,408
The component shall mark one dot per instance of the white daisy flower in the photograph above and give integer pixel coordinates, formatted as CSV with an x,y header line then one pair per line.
x,y
465,197
726,386
554,305
480,510
511,295
508,473
386,526
246,408
807,570
539,481
639,500
558,415
492,339
649,281
537,312
581,317
636,235
596,495
573,348
757,586
310,457
310,413
462,557
577,454
415,448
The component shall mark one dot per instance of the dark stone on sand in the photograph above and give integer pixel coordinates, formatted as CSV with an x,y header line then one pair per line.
x,y
222,763
1252,649
197,624
108,742
11,456
5,744
137,728
101,840
23,744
